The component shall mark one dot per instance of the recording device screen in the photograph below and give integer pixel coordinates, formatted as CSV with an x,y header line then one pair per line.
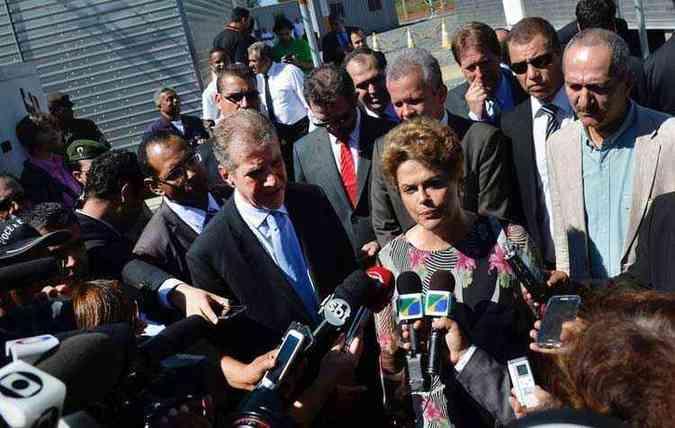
x,y
558,310
292,344
522,370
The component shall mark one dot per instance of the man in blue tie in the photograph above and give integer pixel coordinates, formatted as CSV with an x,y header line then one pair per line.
x,y
275,247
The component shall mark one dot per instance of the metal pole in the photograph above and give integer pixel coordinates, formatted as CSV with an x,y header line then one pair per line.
x,y
640,14
404,9
309,30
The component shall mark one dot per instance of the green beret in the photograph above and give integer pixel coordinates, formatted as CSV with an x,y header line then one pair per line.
x,y
84,149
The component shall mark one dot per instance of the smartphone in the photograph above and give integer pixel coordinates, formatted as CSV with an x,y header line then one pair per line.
x,y
232,312
523,381
527,274
558,310
291,346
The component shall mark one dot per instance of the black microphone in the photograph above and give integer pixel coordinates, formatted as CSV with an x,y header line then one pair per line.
x,y
438,303
23,274
409,305
175,338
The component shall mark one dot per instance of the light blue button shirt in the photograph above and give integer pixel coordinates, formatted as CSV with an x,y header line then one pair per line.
x,y
608,194
501,102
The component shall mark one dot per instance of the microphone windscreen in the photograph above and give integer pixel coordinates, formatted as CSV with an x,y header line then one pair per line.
x,y
381,295
23,274
442,280
91,364
355,288
176,338
408,283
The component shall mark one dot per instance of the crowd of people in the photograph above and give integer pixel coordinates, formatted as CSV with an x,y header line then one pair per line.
x,y
558,146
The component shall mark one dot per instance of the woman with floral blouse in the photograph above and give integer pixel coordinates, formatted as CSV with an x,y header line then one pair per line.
x,y
424,160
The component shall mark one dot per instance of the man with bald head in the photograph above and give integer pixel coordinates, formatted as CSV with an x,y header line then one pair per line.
x,y
607,165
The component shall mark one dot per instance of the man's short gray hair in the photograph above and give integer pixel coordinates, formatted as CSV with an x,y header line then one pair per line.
x,y
160,91
620,53
262,49
412,59
241,129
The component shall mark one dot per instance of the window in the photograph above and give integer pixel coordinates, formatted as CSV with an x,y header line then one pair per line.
x,y
374,5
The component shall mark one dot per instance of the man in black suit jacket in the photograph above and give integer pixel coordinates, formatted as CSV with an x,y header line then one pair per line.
x,y
416,88
660,78
112,205
266,230
532,39
346,134
490,89
170,120
160,270
335,44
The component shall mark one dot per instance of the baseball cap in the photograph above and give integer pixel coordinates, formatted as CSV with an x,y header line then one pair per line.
x,y
85,149
59,98
18,238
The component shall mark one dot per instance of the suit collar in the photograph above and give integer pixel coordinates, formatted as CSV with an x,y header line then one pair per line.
x,y
175,224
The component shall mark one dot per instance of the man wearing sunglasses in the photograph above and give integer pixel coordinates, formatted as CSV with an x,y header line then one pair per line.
x,y
536,60
490,89
337,155
13,200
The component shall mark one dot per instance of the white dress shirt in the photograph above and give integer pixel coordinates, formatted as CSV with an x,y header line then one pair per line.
x,y
195,218
255,219
353,144
388,114
287,83
539,121
209,107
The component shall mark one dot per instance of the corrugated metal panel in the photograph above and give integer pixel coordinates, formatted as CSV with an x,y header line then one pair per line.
x,y
110,56
9,50
490,12
205,19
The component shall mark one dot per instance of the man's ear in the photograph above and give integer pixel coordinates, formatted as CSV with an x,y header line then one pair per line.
x,y
226,176
77,175
125,192
153,186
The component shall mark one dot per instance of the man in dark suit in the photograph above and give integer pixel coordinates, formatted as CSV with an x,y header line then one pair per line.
x,y
416,87
369,76
277,248
335,44
337,155
113,202
660,75
490,89
191,128
536,59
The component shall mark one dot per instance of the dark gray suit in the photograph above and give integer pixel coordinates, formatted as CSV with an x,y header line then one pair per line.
x,y
487,179
455,102
315,164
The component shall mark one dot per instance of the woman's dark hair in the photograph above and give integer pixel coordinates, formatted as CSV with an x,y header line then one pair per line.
x,y
101,302
31,126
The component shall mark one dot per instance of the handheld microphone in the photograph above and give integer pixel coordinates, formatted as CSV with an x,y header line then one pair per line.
x,y
378,299
409,308
30,349
29,397
175,338
438,303
23,274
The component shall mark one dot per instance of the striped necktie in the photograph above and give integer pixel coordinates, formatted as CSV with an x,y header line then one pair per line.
x,y
551,112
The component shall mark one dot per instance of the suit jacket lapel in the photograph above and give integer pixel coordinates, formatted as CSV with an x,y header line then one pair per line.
x,y
268,274
647,151
331,178
524,153
177,226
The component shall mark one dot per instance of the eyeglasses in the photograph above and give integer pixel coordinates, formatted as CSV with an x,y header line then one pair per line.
x,y
335,122
179,172
238,96
540,61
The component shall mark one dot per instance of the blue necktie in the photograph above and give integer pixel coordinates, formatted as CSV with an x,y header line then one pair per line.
x,y
291,260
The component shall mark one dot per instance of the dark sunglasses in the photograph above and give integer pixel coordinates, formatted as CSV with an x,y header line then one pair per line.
x,y
238,96
540,61
180,171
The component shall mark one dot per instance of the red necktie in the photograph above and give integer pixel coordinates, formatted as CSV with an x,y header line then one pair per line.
x,y
348,171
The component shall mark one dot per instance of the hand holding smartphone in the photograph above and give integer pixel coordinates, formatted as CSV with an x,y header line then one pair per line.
x,y
558,310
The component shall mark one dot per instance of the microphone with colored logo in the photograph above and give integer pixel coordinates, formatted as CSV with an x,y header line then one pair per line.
x,y
409,306
438,303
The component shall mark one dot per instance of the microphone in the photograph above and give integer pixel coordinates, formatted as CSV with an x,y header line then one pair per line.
x,y
409,308
175,338
29,397
22,274
377,301
438,303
